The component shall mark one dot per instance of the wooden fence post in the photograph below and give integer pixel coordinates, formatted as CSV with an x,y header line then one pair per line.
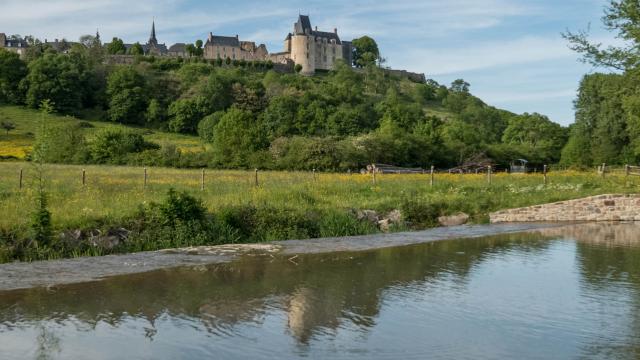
x,y
374,177
144,185
489,174
349,171
604,169
627,170
544,173
20,182
84,177
256,178
202,182
314,175
431,175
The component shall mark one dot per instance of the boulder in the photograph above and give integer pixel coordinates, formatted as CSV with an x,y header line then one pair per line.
x,y
110,240
454,220
368,215
72,238
384,225
395,217
105,242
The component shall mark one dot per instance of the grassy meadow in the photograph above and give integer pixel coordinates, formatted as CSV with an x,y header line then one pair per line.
x,y
113,194
19,142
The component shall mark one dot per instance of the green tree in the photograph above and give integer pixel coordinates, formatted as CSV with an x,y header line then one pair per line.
x,y
198,50
57,77
136,49
127,96
621,17
190,49
12,71
540,139
185,114
459,86
365,52
236,138
7,126
111,146
62,143
116,47
207,126
156,113
601,120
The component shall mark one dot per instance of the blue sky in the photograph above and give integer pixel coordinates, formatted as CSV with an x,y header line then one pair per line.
x,y
510,51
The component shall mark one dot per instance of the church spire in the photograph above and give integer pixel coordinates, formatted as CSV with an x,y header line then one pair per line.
x,y
153,40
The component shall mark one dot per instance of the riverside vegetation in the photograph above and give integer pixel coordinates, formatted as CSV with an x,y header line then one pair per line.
x,y
193,113
173,211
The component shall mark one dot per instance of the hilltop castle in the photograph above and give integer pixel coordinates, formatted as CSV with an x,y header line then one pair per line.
x,y
306,46
313,49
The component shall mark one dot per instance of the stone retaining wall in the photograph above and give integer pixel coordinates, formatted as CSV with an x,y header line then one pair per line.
x,y
595,208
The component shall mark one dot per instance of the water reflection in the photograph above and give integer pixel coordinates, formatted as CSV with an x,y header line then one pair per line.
x,y
500,296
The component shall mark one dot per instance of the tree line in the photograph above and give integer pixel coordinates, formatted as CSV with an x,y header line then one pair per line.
x,y
252,116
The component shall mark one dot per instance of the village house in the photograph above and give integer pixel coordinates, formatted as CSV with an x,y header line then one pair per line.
x,y
13,44
223,47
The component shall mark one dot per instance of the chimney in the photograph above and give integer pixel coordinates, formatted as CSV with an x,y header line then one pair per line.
x,y
316,27
335,30
56,40
237,37
210,37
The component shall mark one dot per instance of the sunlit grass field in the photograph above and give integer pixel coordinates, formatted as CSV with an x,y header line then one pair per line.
x,y
113,194
19,142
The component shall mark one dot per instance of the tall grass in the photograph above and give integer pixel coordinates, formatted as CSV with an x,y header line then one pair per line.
x,y
113,194
19,142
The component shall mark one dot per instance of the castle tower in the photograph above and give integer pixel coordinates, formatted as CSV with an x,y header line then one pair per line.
x,y
303,47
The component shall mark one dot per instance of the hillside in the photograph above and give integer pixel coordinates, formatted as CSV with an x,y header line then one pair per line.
x,y
194,113
18,143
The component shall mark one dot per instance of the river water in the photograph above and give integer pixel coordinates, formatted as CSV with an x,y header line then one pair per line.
x,y
547,294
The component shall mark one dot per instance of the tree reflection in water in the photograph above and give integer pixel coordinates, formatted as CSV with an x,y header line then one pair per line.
x,y
319,295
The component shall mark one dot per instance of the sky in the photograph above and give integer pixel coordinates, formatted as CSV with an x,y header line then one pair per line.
x,y
510,51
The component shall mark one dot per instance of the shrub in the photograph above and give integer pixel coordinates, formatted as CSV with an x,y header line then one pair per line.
x,y
113,146
207,126
180,207
422,214
41,223
185,114
335,223
62,143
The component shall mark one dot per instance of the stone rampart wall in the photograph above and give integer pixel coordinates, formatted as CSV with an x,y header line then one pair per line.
x,y
596,208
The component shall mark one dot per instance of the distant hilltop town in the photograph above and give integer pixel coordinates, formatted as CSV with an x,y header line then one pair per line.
x,y
306,46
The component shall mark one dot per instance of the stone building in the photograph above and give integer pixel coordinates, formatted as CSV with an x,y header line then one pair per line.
x,y
13,44
223,47
313,49
152,47
178,50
